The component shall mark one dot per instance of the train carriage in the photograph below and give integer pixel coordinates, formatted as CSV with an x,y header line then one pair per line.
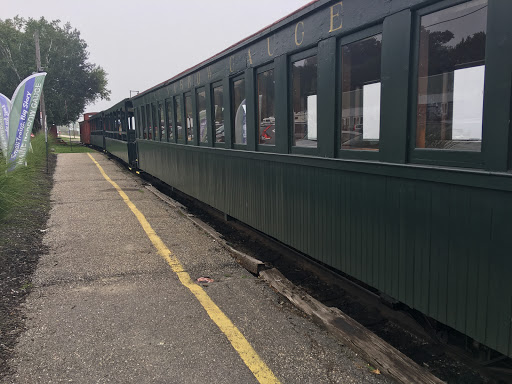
x,y
114,131
97,134
119,131
86,128
373,136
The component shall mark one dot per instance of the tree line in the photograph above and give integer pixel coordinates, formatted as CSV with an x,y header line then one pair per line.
x,y
72,82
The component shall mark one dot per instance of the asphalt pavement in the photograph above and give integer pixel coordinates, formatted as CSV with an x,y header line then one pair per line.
x,y
107,307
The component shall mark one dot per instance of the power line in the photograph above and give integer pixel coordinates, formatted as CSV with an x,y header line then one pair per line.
x,y
455,18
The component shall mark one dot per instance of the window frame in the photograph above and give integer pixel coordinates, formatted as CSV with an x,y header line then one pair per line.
x,y
312,51
181,110
212,113
356,154
198,90
433,156
191,94
169,101
148,119
240,76
264,147
154,120
161,110
144,122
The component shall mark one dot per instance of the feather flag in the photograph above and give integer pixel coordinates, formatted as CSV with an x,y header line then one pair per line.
x,y
25,101
5,111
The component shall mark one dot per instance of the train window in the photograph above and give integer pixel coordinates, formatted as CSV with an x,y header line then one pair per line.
x,y
161,117
179,119
451,70
123,125
154,119
201,115
139,123
360,99
266,113
304,91
170,130
189,117
239,111
143,122
218,113
119,125
148,122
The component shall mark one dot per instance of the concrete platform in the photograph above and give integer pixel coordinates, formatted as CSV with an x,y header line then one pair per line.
x,y
107,308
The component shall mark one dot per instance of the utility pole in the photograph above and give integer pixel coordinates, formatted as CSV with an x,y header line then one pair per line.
x,y
43,110
69,130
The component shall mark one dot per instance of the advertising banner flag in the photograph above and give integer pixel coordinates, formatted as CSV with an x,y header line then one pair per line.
x,y
25,101
5,111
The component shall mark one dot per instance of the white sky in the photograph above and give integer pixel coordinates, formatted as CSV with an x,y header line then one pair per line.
x,y
143,43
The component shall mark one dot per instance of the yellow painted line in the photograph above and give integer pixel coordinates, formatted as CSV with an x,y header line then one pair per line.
x,y
260,370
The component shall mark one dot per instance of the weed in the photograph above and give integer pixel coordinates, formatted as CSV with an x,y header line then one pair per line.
x,y
26,286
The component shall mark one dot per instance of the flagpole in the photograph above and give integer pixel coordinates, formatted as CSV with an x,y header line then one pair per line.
x,y
43,110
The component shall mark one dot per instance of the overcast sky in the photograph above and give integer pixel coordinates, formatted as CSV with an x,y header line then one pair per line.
x,y
143,43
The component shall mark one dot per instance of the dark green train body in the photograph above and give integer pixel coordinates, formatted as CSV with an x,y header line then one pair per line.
x,y
113,130
373,136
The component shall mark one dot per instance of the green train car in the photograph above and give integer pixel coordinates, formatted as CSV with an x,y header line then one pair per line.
x,y
373,136
113,130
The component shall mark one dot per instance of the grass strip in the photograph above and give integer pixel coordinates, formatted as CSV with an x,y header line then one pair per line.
x,y
16,186
67,148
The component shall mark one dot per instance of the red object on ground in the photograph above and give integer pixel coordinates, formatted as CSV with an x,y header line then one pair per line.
x,y
204,280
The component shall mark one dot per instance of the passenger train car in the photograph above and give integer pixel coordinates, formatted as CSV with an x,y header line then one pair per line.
x,y
373,136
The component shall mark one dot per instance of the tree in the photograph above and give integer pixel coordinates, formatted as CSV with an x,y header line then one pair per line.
x,y
72,82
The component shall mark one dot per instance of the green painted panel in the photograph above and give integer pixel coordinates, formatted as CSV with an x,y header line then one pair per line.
x,y
500,284
117,148
439,247
97,140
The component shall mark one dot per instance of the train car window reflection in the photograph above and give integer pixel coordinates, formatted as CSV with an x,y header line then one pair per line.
x,y
140,122
144,113
266,114
239,112
119,128
154,119
451,77
189,118
304,89
201,115
179,121
170,130
218,114
360,100
161,118
138,125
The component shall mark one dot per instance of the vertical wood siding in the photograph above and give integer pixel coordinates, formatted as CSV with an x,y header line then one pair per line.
x,y
441,248
117,148
97,140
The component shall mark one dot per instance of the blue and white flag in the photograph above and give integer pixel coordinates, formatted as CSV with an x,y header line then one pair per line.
x,y
5,111
23,113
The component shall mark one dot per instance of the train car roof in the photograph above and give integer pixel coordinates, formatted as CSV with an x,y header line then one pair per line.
x,y
119,106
